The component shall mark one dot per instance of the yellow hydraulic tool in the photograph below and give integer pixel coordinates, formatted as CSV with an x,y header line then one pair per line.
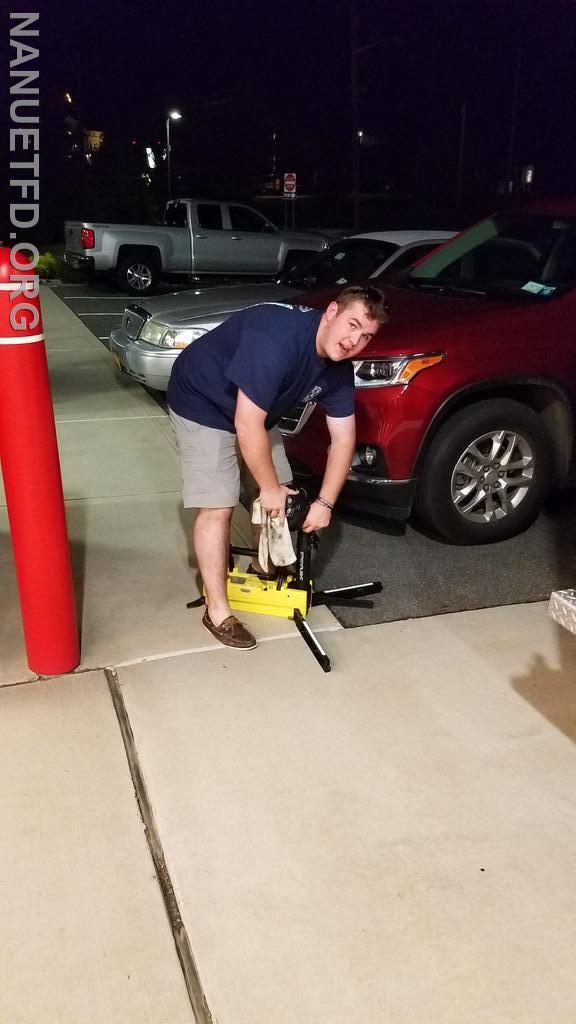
x,y
291,595
250,593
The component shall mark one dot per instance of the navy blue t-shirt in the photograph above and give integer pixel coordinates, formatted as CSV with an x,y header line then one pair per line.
x,y
269,353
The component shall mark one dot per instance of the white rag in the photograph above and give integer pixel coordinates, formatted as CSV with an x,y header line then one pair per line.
x,y
275,540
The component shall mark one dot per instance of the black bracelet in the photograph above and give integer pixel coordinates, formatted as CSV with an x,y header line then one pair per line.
x,y
325,503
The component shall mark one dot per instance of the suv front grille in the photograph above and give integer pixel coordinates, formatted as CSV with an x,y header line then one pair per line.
x,y
293,421
134,319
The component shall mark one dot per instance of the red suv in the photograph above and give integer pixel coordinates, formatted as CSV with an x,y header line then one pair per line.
x,y
465,399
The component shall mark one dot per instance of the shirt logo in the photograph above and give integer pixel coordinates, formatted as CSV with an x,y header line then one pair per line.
x,y
312,394
288,305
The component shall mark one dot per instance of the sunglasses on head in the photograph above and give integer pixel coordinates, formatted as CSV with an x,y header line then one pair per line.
x,y
372,295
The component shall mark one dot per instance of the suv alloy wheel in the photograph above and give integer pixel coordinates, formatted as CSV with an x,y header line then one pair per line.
x,y
486,474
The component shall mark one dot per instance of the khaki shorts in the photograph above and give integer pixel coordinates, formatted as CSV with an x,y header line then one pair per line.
x,y
210,464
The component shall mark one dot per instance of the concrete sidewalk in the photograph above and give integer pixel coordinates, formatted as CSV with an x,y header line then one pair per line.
x,y
393,842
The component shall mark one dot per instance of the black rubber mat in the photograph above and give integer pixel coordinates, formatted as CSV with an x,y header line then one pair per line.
x,y
423,576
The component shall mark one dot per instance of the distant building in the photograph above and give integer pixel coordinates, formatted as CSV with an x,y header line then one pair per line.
x,y
272,185
93,140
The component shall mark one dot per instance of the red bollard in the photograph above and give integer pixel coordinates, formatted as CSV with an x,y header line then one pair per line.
x,y
31,471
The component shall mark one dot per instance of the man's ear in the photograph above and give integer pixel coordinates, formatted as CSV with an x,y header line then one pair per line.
x,y
331,311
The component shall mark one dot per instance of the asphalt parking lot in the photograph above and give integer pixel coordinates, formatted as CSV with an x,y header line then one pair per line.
x,y
421,575
99,305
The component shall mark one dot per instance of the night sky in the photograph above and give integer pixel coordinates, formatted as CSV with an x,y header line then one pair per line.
x,y
240,71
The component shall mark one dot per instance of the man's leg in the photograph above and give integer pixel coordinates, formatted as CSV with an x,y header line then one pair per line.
x,y
212,546
211,484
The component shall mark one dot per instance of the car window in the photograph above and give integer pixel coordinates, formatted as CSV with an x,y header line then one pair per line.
x,y
564,259
410,256
353,259
176,215
242,218
509,255
210,216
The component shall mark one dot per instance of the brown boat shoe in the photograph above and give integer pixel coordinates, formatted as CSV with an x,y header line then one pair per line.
x,y
230,632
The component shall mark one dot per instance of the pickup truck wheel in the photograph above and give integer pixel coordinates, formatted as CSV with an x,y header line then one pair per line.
x,y
138,275
486,473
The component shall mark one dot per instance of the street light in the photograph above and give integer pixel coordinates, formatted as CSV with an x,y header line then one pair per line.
x,y
174,115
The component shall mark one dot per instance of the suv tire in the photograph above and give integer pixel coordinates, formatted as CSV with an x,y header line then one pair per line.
x,y
486,473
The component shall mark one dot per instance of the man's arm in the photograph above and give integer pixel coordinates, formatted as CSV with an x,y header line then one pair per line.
x,y
342,440
250,424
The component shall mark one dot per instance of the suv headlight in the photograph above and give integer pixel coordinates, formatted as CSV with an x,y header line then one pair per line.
x,y
378,373
167,337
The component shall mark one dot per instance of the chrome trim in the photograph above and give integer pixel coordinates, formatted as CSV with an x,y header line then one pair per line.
x,y
134,319
362,478
78,261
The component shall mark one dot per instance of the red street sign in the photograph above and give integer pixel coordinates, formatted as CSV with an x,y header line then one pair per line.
x,y
289,183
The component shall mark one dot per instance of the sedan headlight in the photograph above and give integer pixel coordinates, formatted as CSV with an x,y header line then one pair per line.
x,y
152,332
183,337
168,337
378,373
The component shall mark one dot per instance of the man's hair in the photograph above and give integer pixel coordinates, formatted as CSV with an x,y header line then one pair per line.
x,y
373,298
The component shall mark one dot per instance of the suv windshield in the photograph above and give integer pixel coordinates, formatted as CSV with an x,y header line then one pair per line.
x,y
350,260
509,255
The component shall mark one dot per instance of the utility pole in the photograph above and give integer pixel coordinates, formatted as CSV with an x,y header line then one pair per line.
x,y
355,98
168,159
355,52
513,115
273,151
460,173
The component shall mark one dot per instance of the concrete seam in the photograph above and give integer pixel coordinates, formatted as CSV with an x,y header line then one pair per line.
x,y
332,628
20,682
110,419
192,980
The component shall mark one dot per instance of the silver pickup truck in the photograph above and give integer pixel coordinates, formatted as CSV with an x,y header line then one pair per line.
x,y
201,238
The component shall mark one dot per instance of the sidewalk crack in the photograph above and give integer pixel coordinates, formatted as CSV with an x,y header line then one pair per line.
x,y
192,981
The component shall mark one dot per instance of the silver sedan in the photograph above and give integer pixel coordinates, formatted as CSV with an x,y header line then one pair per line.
x,y
154,331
